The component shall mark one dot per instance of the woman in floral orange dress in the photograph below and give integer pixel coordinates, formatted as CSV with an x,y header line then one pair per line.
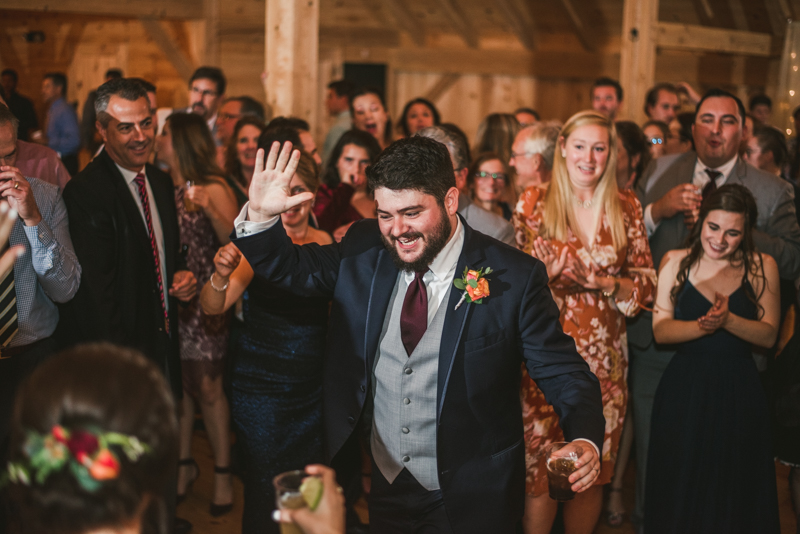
x,y
592,239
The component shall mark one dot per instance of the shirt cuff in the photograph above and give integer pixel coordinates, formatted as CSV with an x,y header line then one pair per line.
x,y
593,445
648,220
244,227
43,243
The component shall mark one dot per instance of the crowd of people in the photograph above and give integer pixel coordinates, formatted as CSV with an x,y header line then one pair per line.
x,y
626,288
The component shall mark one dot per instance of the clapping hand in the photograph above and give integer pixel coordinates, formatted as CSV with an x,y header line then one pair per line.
x,y
717,316
269,190
227,259
578,272
545,252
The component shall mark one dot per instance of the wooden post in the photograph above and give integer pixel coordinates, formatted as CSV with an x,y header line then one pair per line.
x,y
638,55
292,49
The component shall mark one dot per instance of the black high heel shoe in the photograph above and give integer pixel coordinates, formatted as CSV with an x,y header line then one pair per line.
x,y
188,462
217,510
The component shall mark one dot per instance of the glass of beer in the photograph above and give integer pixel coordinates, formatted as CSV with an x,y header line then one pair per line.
x,y
293,490
188,204
560,465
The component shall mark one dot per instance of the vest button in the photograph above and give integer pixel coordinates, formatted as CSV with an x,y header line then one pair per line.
x,y
408,370
406,458
363,388
405,430
406,401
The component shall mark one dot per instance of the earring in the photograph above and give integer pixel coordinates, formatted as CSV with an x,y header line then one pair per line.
x,y
563,153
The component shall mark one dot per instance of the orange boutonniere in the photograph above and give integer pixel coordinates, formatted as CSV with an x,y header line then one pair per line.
x,y
474,285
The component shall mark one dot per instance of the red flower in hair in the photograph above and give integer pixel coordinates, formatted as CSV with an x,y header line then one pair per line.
x,y
82,444
105,466
60,433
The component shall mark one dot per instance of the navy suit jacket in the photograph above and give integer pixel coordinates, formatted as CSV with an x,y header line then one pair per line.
x,y
481,454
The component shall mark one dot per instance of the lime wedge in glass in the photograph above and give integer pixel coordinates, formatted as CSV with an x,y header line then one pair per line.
x,y
311,489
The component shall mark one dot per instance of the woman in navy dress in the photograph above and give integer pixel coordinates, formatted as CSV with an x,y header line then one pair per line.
x,y
276,375
710,465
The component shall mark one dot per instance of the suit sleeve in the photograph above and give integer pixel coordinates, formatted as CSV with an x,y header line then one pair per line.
x,y
307,270
92,230
780,238
555,365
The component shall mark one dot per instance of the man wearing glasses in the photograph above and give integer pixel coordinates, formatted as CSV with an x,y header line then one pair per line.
x,y
532,155
206,93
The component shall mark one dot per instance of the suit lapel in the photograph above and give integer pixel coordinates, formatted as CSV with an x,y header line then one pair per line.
x,y
380,291
738,173
128,204
454,321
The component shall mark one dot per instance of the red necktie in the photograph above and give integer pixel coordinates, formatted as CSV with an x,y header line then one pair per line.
x,y
414,317
153,245
711,186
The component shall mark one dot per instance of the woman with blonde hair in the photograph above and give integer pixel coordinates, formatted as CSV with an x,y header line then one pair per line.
x,y
592,239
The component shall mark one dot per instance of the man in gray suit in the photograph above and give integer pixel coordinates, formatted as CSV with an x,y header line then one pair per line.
x,y
478,218
671,191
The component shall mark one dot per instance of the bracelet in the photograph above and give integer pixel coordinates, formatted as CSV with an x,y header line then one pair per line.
x,y
611,293
223,288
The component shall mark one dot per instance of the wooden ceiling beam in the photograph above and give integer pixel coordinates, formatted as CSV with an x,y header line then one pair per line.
x,y
702,38
164,9
407,21
460,24
169,46
739,17
776,16
516,20
584,35
441,86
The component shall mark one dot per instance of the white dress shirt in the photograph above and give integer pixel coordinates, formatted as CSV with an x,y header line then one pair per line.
x,y
699,179
129,177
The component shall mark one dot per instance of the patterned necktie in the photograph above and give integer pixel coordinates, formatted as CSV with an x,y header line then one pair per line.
x,y
153,245
9,324
414,317
711,186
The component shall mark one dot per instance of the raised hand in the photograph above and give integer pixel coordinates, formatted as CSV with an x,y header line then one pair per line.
x,y
227,259
544,251
269,190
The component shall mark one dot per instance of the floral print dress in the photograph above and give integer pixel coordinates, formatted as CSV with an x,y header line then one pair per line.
x,y
595,322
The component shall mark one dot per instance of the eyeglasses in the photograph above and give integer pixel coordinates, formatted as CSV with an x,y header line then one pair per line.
x,y
492,175
522,154
656,140
203,94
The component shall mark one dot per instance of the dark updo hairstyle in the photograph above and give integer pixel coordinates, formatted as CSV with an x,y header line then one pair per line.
x,y
427,103
387,133
635,142
359,138
112,389
232,164
733,198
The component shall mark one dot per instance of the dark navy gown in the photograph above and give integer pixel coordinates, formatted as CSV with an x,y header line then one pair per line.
x,y
710,466
276,393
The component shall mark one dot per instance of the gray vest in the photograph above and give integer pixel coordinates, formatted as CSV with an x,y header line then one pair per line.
x,y
404,389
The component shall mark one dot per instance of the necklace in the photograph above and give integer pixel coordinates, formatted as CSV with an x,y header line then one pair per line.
x,y
585,204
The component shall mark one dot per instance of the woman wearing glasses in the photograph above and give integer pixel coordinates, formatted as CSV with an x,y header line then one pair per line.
x,y
488,184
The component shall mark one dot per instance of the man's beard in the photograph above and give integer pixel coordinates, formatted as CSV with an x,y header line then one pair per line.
x,y
432,246
199,109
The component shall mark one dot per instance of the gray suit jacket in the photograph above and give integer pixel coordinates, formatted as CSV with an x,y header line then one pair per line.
x,y
777,232
486,222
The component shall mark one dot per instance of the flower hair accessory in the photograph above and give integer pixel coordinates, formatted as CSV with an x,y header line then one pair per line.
x,y
474,285
86,453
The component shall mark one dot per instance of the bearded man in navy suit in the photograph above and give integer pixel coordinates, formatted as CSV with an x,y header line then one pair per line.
x,y
432,377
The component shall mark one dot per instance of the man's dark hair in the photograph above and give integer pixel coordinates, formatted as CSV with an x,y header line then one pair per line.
x,y
127,88
289,122
6,117
528,110
113,74
652,95
342,88
772,140
416,163
210,73
759,100
720,93
250,107
280,134
58,79
12,73
149,87
608,82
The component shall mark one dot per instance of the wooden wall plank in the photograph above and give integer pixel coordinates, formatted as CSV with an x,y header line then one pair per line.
x,y
692,37
176,9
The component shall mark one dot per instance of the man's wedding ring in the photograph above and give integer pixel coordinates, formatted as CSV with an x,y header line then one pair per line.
x,y
16,185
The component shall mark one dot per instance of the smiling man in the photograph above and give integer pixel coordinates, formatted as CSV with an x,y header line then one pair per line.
x,y
671,191
433,380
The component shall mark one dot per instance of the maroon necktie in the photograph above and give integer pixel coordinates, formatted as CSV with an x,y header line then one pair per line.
x,y
711,186
153,245
414,317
